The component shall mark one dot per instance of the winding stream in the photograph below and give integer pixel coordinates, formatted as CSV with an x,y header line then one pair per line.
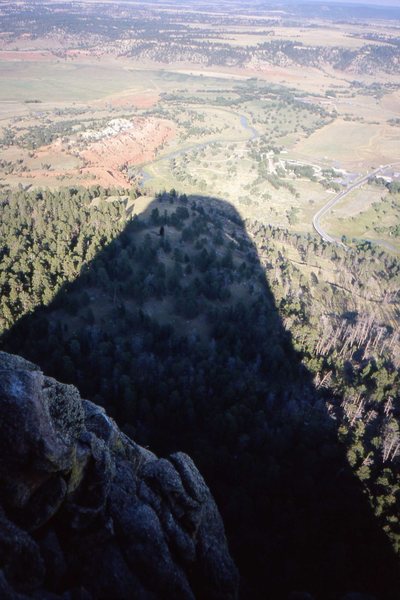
x,y
244,122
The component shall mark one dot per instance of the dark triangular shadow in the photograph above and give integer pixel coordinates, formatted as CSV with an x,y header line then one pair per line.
x,y
174,329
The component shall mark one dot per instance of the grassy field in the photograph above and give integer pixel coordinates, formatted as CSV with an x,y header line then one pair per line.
x,y
348,143
370,213
63,81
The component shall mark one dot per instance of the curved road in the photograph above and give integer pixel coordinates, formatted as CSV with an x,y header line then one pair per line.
x,y
327,207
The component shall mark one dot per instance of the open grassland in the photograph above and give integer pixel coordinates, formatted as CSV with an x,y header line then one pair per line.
x,y
351,144
369,213
65,81
231,172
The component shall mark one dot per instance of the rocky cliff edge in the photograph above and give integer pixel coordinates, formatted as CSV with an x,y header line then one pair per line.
x,y
87,513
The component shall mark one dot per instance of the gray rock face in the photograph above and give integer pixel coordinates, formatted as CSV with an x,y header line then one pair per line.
x,y
87,513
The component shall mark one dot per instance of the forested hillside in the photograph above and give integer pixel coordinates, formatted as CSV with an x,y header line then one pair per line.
x,y
169,35
46,239
271,358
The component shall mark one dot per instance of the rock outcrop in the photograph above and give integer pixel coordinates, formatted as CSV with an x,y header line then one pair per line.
x,y
87,513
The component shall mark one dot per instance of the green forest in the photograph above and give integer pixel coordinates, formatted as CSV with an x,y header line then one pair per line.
x,y
226,339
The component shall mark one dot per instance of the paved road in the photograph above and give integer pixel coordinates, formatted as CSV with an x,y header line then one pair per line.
x,y
327,207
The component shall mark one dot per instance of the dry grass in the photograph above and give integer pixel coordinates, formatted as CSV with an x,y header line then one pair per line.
x,y
351,145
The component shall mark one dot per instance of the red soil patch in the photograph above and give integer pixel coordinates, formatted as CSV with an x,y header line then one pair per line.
x,y
79,53
144,100
25,55
104,157
134,146
104,177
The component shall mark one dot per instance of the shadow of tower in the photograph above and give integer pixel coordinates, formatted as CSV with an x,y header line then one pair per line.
x,y
176,332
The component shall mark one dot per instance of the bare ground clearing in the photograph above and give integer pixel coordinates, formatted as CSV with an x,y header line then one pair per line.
x,y
101,158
